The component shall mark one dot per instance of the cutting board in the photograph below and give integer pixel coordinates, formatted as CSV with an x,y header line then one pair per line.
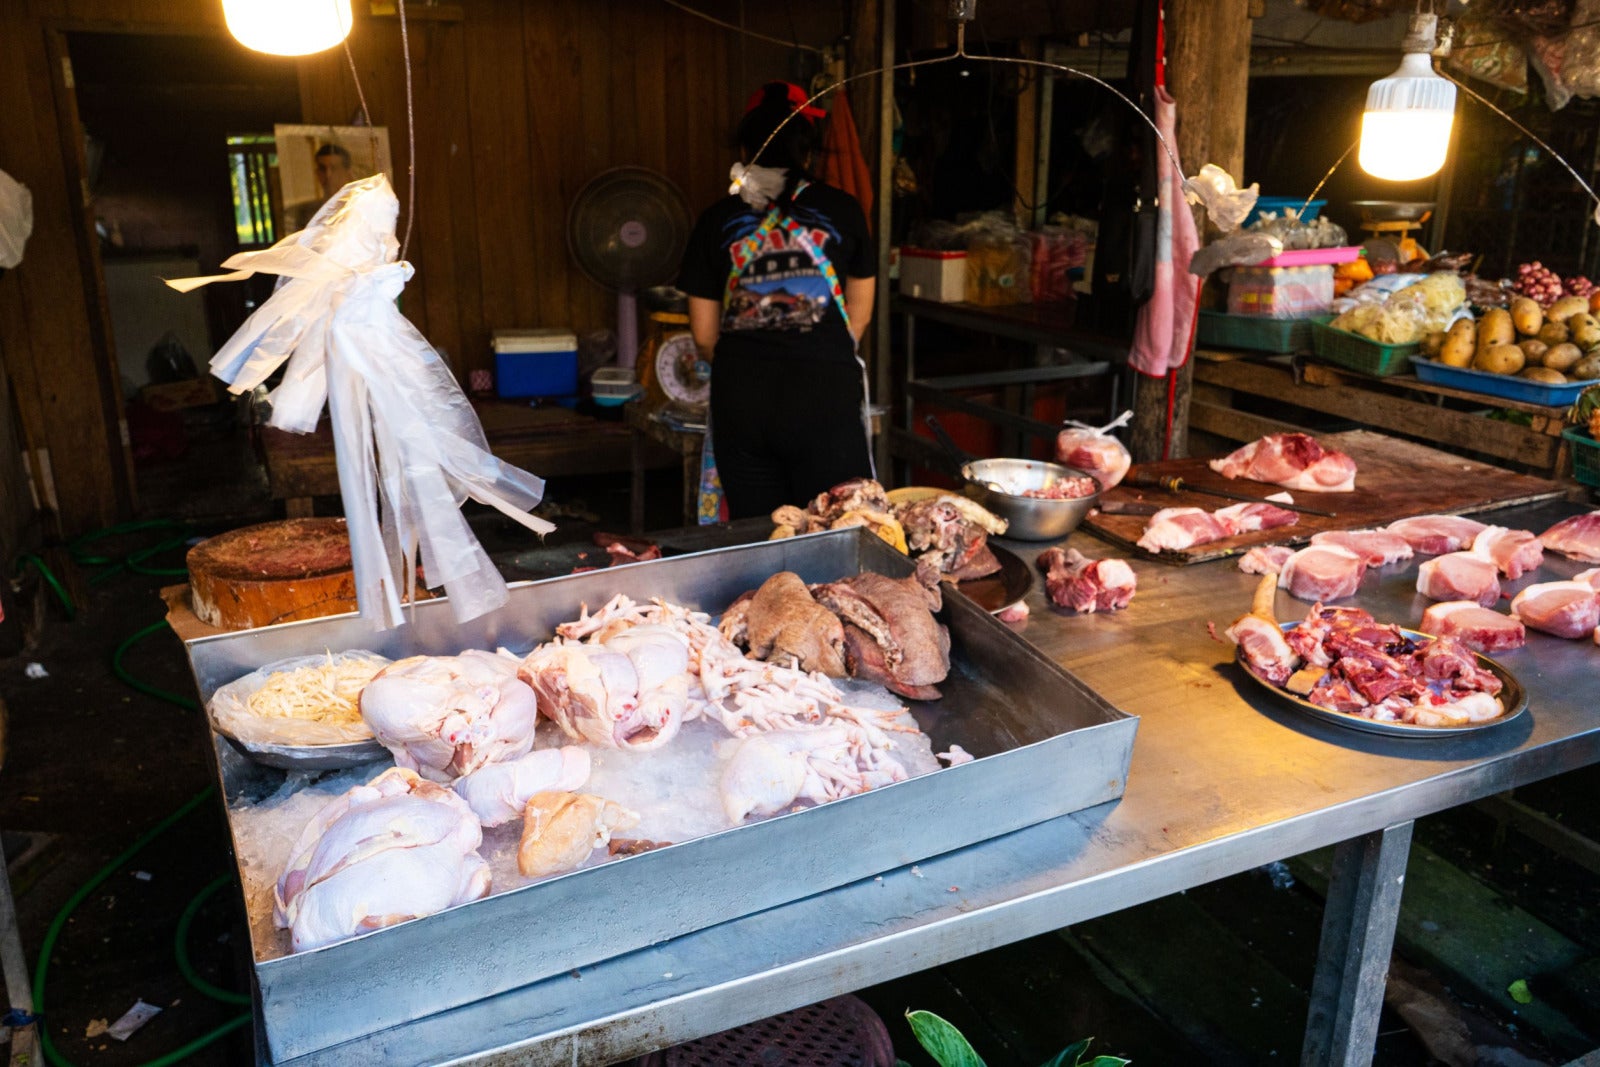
x,y
1395,479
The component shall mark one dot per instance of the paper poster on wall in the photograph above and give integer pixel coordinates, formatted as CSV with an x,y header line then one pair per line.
x,y
314,162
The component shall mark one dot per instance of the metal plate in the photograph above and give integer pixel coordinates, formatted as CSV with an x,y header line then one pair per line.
x,y
996,592
310,757
1512,696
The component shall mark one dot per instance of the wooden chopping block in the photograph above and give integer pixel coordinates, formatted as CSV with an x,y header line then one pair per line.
x,y
274,572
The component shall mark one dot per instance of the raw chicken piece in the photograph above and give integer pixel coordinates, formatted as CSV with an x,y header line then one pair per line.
x,y
560,830
1561,609
782,622
1460,576
445,716
498,792
1248,518
1322,572
1171,529
1433,535
768,772
1591,576
1474,626
1377,547
1265,559
1514,552
630,692
1260,638
394,849
1086,585
1578,537
1292,460
1098,454
890,634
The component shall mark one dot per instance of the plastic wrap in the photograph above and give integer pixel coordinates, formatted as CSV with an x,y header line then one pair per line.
x,y
231,715
1582,70
16,220
1093,450
1483,51
1055,251
1409,314
404,433
1226,204
1280,292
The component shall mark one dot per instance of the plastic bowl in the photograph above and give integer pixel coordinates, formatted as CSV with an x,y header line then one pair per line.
x,y
1031,518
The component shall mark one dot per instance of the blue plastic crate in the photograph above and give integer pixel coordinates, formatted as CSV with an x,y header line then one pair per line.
x,y
1278,204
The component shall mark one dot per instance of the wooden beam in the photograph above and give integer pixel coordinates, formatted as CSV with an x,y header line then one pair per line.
x,y
1026,161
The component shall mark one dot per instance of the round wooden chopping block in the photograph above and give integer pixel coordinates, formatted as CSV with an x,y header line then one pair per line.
x,y
271,573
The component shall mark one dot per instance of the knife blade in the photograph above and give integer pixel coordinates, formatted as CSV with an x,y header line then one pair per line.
x,y
1174,484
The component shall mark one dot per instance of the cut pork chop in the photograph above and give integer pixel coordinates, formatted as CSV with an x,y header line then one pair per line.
x,y
1248,518
1578,537
1433,535
1292,460
1560,609
1322,572
1514,552
1474,626
1265,559
1376,547
1460,576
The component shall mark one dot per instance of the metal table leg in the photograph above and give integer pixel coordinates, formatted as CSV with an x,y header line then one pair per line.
x,y
1358,924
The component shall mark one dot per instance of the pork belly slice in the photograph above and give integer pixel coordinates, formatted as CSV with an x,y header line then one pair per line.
x,y
1321,573
1377,547
1248,518
1265,559
1560,609
1434,535
1578,537
1086,585
1292,460
1514,552
1173,529
1474,626
1460,576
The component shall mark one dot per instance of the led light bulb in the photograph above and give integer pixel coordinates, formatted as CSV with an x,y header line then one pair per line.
x,y
1405,129
288,27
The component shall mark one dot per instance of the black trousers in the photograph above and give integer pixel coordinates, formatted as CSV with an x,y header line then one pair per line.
x,y
785,429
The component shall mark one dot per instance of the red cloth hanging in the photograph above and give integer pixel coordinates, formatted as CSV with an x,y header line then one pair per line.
x,y
843,164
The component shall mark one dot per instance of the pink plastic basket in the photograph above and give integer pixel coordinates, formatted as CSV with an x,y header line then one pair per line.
x,y
842,1032
1313,257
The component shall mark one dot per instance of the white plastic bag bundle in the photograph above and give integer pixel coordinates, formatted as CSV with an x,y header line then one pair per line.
x,y
1226,204
410,448
16,220
1093,450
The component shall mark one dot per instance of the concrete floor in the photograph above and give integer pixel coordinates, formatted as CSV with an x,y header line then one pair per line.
x,y
1215,975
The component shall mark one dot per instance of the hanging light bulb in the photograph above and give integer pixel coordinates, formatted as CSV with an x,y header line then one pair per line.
x,y
288,27
1405,129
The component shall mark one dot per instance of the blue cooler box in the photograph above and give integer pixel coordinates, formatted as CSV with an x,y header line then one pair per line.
x,y
542,362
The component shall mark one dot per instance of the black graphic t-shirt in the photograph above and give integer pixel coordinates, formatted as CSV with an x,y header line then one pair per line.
x,y
781,304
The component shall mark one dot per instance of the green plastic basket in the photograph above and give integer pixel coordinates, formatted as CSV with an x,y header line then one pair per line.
x,y
1358,353
1255,332
1585,456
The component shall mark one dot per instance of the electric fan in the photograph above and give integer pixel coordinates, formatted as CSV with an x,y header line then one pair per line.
x,y
627,229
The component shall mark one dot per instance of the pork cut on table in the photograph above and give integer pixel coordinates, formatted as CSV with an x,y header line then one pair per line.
x,y
1086,585
890,634
1265,559
1248,518
1321,573
1592,576
1172,529
783,623
445,716
1514,552
1378,547
1560,609
1578,537
1460,576
1292,460
1434,535
1474,625
1261,642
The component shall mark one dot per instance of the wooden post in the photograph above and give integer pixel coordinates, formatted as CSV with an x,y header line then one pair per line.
x,y
1208,72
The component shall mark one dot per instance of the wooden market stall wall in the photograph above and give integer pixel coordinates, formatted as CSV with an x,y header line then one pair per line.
x,y
517,105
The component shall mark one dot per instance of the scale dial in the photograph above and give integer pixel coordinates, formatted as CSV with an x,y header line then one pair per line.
x,y
683,376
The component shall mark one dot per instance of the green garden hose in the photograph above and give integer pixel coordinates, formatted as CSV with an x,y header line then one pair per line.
x,y
49,576
145,687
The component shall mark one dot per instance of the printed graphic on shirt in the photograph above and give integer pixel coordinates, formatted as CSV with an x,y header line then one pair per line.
x,y
778,285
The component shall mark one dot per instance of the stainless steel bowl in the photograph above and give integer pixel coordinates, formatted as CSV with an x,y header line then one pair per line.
x,y
1031,518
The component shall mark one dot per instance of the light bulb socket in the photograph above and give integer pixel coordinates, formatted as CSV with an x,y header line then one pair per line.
x,y
1422,35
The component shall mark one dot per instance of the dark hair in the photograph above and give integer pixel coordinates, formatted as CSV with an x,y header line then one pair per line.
x,y
793,144
331,149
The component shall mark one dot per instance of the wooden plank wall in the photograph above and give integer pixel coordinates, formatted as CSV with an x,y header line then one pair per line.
x,y
518,103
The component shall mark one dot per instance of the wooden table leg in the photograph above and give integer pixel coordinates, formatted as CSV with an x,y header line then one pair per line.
x,y
1358,924
636,486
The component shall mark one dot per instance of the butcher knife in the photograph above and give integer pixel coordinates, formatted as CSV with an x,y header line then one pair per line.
x,y
1173,484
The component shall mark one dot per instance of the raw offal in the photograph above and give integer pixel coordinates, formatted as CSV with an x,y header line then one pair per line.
x,y
1292,460
1460,576
1322,572
1086,585
1174,529
781,621
1378,547
1433,535
1514,552
1578,537
890,634
1248,518
499,792
445,716
1265,559
1560,609
1474,626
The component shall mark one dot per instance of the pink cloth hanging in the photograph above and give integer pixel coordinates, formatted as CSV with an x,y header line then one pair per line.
x,y
1164,332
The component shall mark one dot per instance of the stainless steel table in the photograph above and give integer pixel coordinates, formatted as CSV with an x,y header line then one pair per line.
x,y
1223,780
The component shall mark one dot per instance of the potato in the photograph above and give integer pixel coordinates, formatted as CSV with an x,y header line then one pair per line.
x,y
1544,375
1499,359
1460,344
1495,328
1553,333
1527,315
1431,343
1587,369
1584,330
1533,350
1562,357
1565,308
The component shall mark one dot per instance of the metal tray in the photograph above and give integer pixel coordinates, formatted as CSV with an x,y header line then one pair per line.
x,y
1512,696
1046,744
1003,588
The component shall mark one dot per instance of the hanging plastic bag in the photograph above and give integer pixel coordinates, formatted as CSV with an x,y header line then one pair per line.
x,y
410,448
1226,204
1094,451
16,220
